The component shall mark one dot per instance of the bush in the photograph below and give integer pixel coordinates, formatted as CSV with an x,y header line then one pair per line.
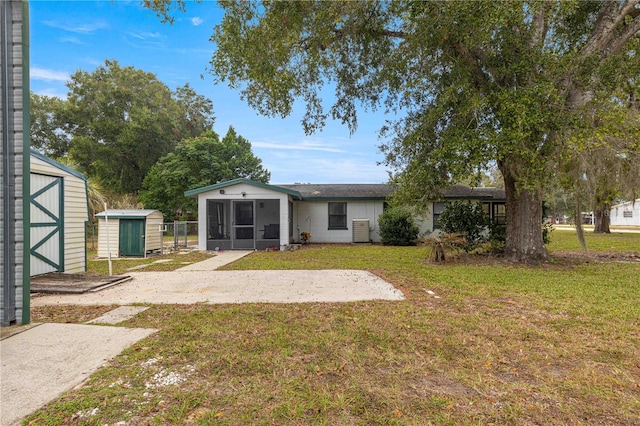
x,y
397,228
467,219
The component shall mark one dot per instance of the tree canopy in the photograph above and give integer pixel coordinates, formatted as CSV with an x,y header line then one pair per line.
x,y
46,131
119,121
473,83
198,162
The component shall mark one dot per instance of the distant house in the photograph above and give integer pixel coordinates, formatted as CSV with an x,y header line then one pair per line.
x,y
244,214
626,213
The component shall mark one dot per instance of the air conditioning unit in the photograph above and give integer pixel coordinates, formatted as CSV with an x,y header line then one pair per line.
x,y
360,230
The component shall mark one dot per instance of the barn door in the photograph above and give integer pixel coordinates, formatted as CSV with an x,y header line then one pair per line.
x,y
131,237
46,228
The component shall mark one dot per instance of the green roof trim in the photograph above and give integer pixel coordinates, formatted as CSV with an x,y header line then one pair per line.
x,y
57,165
226,184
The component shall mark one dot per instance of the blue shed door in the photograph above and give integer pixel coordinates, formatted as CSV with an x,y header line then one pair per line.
x,y
131,237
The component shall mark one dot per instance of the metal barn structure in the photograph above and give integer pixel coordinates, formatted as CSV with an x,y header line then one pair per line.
x,y
14,164
59,213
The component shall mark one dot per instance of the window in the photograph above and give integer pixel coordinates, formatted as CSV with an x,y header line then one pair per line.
x,y
337,215
437,209
216,225
627,213
499,214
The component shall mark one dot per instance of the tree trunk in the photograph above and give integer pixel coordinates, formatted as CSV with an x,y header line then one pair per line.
x,y
601,219
579,230
524,224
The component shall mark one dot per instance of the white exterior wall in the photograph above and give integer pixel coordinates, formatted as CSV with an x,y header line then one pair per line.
x,y
114,237
235,192
76,214
617,214
153,233
313,216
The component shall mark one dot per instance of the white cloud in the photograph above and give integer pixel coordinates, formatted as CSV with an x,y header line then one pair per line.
x,y
302,146
196,21
84,28
48,75
143,35
324,170
73,40
51,92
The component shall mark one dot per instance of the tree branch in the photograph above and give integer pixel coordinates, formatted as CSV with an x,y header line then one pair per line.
x,y
605,40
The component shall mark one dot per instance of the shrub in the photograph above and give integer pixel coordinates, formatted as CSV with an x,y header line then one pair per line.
x,y
467,219
398,228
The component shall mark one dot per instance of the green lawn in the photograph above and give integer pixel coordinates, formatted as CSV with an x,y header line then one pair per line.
x,y
496,343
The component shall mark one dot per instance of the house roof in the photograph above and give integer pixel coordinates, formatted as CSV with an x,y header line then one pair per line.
x,y
476,193
225,184
311,192
125,214
351,191
627,203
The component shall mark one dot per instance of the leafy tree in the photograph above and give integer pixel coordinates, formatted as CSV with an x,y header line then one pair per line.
x,y
198,162
47,135
468,219
122,120
602,159
397,227
472,84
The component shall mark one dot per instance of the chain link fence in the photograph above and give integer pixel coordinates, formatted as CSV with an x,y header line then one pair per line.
x,y
179,235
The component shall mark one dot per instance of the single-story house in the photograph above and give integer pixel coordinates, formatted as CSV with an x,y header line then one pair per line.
x,y
244,214
626,213
129,232
59,212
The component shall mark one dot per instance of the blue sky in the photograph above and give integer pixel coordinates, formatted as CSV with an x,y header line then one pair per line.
x,y
70,35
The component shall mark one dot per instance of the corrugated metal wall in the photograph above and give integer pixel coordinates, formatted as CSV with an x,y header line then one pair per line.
x,y
14,116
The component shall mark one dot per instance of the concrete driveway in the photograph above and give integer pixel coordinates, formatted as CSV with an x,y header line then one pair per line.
x,y
202,283
42,362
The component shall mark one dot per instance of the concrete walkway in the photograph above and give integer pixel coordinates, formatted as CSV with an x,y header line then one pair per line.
x,y
44,361
220,259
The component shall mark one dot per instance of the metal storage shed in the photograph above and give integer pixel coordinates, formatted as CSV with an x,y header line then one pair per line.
x,y
59,213
125,233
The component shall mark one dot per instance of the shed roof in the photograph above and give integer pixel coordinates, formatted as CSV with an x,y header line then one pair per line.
x,y
125,214
55,164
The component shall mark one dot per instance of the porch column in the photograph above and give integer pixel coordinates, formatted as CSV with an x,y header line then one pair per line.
x,y
284,222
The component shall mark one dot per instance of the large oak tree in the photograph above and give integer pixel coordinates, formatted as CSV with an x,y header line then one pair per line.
x,y
121,120
473,83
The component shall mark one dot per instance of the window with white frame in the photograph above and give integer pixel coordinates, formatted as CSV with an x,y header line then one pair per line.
x,y
627,213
